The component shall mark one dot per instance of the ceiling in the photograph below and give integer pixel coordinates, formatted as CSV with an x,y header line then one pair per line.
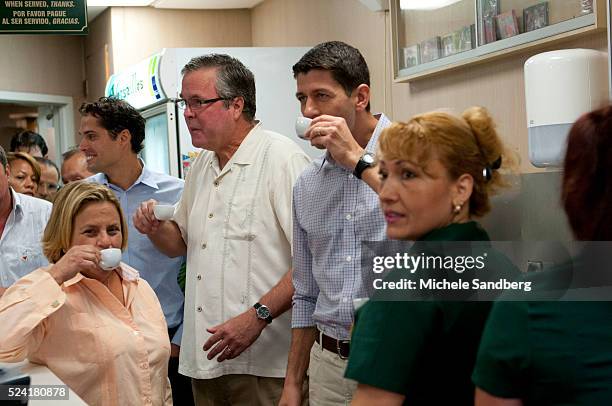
x,y
95,7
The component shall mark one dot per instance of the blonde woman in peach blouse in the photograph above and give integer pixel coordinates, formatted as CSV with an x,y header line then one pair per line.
x,y
101,332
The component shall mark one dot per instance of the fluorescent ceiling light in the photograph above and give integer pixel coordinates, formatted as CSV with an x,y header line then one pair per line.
x,y
425,4
119,3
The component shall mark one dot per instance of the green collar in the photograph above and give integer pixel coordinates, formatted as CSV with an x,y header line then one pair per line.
x,y
470,231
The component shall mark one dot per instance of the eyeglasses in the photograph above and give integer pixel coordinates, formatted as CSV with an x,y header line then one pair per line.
x,y
196,104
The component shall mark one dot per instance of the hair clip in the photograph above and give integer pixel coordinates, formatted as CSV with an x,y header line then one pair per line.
x,y
487,172
497,163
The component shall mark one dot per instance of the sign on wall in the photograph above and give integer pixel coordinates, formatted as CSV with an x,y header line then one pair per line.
x,y
43,17
139,85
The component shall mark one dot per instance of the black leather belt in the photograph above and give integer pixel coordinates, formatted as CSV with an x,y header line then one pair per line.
x,y
339,347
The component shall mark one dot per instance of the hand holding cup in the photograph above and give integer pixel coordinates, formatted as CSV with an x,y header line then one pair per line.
x,y
78,258
145,220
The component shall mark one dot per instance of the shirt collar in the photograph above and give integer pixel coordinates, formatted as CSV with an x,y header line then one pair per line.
x,y
383,122
75,279
468,231
127,273
146,178
17,205
244,154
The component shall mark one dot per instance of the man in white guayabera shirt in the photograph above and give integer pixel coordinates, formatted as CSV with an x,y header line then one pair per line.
x,y
234,222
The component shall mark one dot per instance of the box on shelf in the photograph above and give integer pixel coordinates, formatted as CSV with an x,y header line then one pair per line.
x,y
507,25
430,50
536,16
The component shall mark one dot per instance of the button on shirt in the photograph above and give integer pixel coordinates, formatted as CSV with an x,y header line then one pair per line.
x,y
109,354
20,244
156,268
238,237
333,213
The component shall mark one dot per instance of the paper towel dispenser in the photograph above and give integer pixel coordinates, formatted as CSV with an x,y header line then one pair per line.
x,y
560,86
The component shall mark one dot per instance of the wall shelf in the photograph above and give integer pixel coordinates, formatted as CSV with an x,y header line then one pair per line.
x,y
415,33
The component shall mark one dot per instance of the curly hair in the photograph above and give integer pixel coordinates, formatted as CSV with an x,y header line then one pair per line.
x,y
115,116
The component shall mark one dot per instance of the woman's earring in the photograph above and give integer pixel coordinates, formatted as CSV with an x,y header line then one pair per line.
x,y
457,209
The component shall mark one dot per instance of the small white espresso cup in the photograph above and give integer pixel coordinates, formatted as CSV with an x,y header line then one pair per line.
x,y
163,211
110,258
301,125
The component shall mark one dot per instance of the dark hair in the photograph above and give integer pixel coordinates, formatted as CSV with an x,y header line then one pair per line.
x,y
233,80
28,139
48,162
3,159
587,176
346,64
115,116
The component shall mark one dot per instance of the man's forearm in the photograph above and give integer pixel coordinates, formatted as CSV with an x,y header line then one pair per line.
x,y
278,299
168,239
369,175
302,340
371,178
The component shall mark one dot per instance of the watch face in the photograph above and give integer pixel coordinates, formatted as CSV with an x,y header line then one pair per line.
x,y
263,312
368,158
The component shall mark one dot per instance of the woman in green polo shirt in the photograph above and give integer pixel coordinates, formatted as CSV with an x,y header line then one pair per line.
x,y
560,352
437,172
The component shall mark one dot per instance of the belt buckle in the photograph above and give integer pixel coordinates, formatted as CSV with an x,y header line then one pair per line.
x,y
338,350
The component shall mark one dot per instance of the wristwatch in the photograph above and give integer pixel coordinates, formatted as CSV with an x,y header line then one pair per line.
x,y
366,161
263,312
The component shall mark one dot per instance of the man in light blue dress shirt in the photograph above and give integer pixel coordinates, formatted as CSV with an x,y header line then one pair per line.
x,y
335,207
112,136
22,222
